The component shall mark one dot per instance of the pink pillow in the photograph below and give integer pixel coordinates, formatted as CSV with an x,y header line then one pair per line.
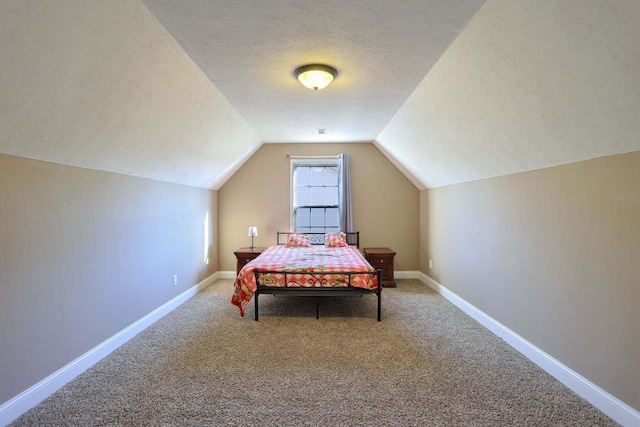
x,y
297,240
335,240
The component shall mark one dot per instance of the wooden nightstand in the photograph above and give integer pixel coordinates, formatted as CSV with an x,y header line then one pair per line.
x,y
244,255
382,258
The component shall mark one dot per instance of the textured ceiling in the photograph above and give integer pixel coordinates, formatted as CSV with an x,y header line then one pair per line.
x,y
450,91
101,85
249,49
527,85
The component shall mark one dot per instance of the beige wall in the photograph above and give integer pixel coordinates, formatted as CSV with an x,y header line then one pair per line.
x,y
553,255
385,202
84,254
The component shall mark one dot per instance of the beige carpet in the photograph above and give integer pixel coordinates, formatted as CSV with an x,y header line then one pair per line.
x,y
425,364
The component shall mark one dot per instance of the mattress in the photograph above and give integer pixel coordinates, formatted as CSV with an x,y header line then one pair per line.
x,y
306,267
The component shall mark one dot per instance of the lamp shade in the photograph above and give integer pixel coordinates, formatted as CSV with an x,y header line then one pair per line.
x,y
253,231
315,76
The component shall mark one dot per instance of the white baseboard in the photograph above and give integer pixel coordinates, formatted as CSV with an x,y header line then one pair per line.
x,y
613,407
226,274
35,394
406,274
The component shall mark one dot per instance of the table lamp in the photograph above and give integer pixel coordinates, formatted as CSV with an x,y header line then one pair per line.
x,y
253,231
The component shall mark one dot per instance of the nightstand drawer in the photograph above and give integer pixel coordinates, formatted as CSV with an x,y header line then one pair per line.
x,y
382,259
246,255
379,262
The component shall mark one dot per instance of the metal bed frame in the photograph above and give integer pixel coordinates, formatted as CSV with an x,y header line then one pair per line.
x,y
349,290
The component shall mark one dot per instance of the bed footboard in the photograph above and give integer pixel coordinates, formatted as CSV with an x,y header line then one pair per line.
x,y
348,290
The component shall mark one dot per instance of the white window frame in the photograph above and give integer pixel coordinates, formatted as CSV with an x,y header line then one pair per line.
x,y
305,161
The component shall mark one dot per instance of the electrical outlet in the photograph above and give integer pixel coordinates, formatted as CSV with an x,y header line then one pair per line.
x,y
175,279
430,264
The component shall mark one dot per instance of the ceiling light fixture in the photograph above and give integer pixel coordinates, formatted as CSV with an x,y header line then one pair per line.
x,y
315,76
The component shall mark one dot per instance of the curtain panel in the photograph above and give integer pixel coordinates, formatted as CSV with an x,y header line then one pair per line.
x,y
344,194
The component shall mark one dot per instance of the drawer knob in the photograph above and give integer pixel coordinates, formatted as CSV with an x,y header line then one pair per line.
x,y
381,261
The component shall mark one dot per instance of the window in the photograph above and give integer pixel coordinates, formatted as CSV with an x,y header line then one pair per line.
x,y
314,195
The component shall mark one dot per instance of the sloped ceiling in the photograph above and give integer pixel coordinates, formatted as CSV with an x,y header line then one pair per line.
x,y
250,48
450,91
527,85
102,85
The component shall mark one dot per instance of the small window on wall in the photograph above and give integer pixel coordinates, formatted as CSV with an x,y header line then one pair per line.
x,y
314,195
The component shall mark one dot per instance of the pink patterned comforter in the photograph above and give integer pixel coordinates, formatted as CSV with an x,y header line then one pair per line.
x,y
302,261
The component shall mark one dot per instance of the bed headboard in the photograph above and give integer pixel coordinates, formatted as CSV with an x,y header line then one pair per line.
x,y
353,238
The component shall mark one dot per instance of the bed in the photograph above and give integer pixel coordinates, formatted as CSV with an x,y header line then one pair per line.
x,y
309,264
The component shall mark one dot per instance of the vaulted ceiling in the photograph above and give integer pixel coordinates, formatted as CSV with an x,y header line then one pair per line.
x,y
450,91
249,49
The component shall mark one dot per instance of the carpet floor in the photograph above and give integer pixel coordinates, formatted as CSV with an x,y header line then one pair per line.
x,y
426,364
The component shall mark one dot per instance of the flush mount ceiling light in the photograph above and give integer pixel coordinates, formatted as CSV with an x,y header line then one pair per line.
x,y
315,76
